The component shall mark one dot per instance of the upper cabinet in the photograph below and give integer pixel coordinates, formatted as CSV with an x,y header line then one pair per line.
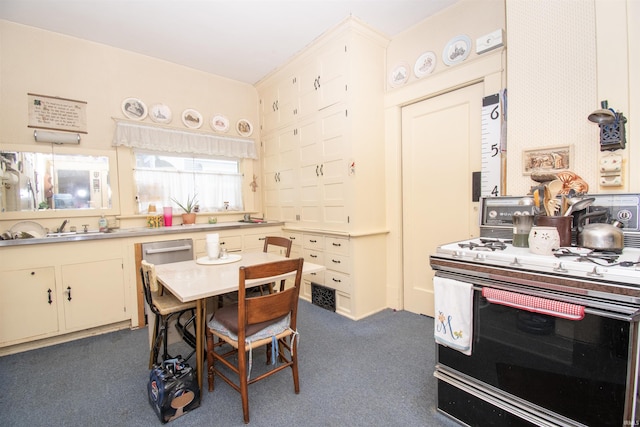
x,y
323,133
323,78
279,103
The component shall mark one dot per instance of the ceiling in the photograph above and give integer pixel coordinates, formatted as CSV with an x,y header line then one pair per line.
x,y
242,40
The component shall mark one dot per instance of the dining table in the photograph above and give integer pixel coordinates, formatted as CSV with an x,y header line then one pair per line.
x,y
197,280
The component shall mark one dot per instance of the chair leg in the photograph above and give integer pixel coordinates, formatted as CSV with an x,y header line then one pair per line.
x,y
165,333
294,365
153,353
244,385
210,359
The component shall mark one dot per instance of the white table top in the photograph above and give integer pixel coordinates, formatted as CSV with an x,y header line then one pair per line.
x,y
190,281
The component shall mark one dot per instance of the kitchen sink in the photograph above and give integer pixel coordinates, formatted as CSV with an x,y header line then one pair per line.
x,y
74,233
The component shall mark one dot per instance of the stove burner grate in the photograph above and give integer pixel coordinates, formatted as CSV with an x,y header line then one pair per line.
x,y
605,258
485,245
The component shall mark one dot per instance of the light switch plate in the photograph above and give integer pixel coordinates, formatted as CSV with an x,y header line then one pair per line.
x,y
490,41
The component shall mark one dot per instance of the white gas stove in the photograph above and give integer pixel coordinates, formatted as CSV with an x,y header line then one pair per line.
x,y
574,262
608,283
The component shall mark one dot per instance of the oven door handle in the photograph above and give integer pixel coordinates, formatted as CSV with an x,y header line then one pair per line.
x,y
592,306
535,304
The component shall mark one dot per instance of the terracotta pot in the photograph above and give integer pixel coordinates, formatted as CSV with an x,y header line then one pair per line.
x,y
188,218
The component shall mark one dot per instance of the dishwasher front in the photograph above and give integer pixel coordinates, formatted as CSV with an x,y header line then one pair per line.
x,y
168,251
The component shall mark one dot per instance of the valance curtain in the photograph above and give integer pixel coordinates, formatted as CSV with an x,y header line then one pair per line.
x,y
155,138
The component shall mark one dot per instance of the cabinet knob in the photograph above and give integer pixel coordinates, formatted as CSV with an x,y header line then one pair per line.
x,y
68,293
49,300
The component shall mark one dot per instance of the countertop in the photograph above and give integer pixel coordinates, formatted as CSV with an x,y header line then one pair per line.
x,y
120,233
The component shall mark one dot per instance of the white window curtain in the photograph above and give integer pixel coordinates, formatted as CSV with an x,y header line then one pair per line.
x,y
154,138
213,191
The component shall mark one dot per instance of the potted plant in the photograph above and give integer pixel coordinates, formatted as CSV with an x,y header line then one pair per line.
x,y
189,216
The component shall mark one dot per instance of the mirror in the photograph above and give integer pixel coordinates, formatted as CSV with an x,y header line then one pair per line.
x,y
31,181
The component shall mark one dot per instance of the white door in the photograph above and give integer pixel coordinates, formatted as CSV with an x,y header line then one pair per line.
x,y
441,147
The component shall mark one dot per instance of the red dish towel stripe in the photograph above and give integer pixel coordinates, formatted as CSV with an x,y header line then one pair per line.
x,y
551,307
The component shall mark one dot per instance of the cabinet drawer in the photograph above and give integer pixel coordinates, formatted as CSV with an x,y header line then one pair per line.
x,y
254,242
337,245
312,241
337,262
296,238
317,277
338,281
232,243
315,257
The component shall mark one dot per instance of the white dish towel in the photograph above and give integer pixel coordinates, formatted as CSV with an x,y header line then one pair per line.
x,y
453,324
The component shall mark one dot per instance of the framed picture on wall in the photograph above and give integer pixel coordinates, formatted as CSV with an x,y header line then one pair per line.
x,y
547,159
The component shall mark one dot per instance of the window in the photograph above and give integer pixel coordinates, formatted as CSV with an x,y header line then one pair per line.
x,y
216,182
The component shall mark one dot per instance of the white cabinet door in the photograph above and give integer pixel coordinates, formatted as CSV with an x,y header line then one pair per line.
x,y
279,103
333,63
323,79
280,160
323,173
93,294
28,304
288,93
270,116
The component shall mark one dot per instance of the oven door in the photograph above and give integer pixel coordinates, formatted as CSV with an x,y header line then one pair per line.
x,y
580,370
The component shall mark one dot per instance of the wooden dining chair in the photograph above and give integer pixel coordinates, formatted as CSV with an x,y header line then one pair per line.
x,y
166,306
277,241
252,323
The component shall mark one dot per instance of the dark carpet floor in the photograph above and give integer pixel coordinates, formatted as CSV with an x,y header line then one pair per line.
x,y
374,372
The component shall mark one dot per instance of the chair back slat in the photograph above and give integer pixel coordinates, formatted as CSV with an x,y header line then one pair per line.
x,y
271,306
150,272
148,275
283,242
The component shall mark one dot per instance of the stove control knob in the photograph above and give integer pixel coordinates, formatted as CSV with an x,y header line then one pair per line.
x,y
560,269
480,256
597,272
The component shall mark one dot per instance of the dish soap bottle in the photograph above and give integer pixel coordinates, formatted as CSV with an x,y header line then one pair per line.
x,y
103,225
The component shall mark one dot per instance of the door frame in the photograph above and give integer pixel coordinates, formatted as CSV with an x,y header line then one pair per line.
x,y
488,69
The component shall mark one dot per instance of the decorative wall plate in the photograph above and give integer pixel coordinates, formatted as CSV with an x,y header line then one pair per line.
x,y
191,118
160,113
244,127
425,64
399,75
219,123
456,50
134,109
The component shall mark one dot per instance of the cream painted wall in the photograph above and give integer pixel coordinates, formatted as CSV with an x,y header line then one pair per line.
x,y
563,58
46,63
469,17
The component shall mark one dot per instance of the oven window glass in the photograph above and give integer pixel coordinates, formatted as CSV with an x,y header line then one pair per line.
x,y
577,369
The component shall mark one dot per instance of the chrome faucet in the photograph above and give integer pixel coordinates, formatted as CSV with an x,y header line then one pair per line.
x,y
64,223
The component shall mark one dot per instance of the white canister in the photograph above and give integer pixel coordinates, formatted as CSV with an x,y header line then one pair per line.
x,y
543,240
213,250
